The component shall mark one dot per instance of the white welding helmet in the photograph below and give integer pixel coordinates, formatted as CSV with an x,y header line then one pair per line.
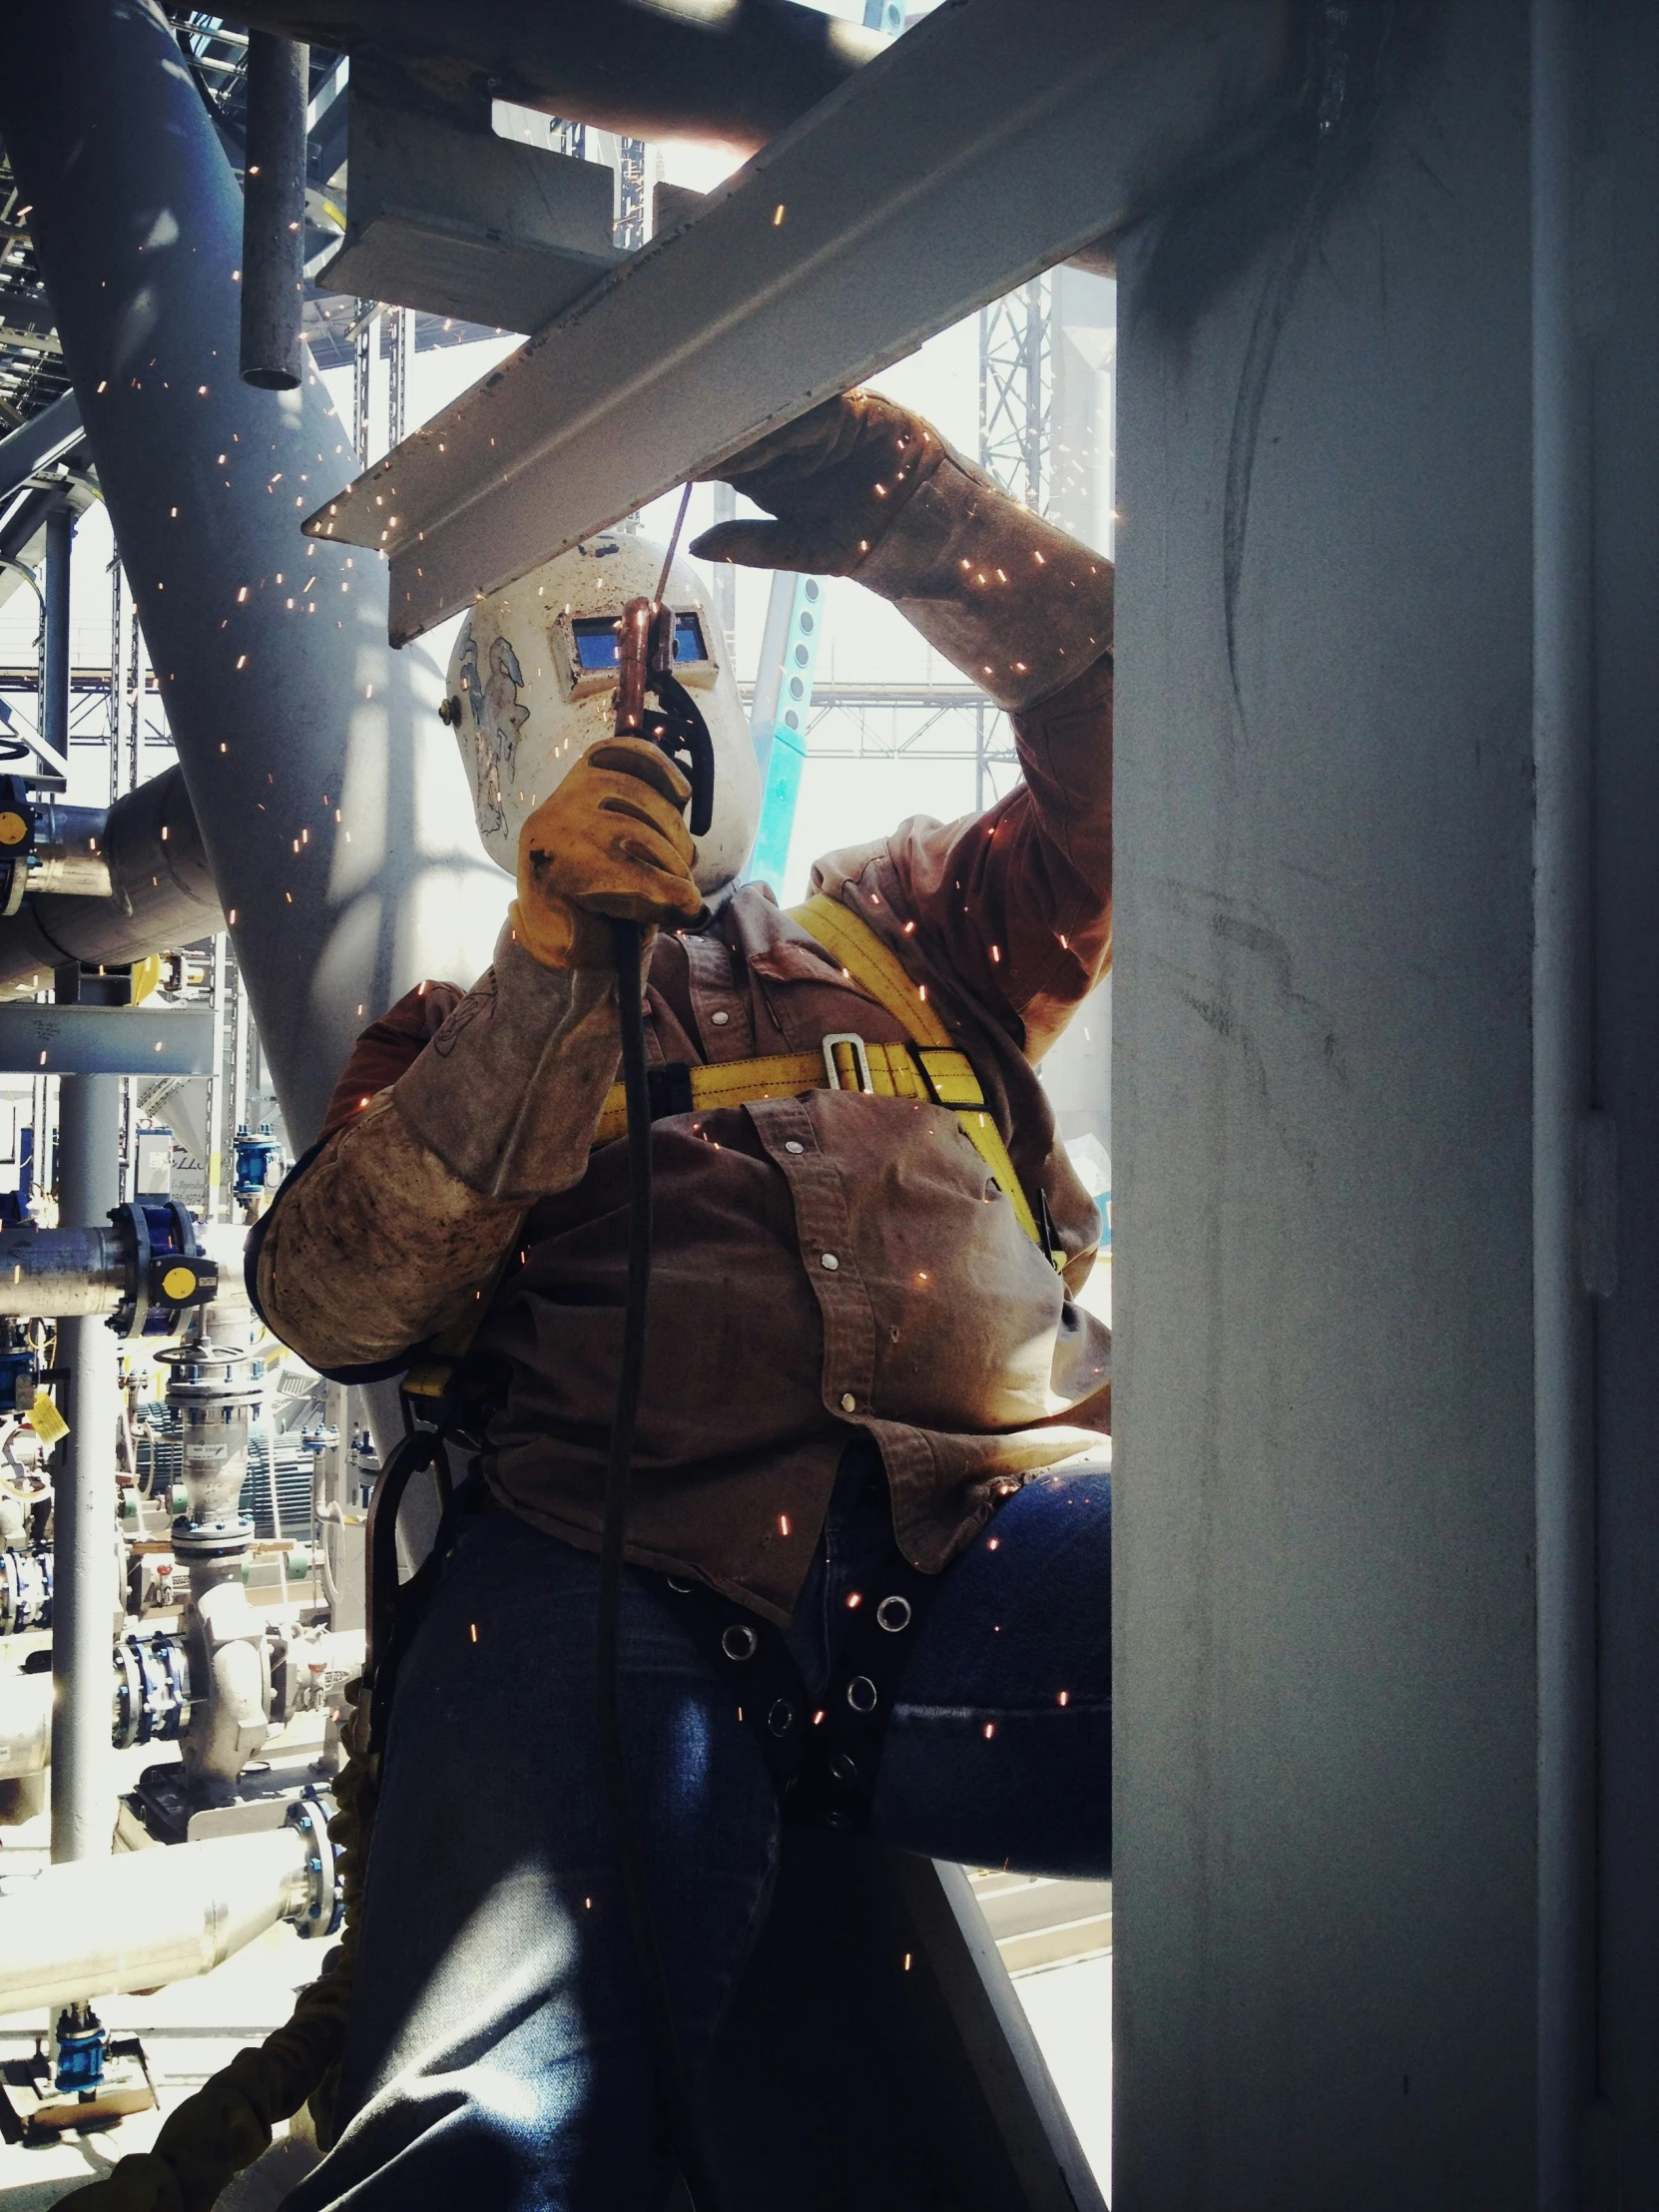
x,y
532,680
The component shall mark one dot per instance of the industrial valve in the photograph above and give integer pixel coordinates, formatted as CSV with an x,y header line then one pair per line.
x,y
146,1270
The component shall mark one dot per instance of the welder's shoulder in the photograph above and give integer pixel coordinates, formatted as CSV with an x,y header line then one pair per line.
x,y
387,1047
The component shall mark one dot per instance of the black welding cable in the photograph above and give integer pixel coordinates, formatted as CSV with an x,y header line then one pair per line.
x,y
659,2010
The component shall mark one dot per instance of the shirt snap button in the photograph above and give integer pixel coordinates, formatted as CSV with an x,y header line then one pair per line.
x,y
849,1402
720,1020
829,1260
790,1146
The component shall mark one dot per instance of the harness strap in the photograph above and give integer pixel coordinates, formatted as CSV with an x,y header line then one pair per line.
x,y
823,1756
931,1066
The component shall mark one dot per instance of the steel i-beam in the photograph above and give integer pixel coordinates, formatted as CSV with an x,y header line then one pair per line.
x,y
887,214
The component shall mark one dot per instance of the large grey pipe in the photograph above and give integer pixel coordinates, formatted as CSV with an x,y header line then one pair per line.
x,y
274,212
334,807
160,890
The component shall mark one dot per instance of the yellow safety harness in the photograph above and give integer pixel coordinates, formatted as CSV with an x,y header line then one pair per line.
x,y
929,1067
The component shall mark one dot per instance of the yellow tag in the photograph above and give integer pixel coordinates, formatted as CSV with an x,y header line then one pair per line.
x,y
147,976
45,1420
179,1282
13,827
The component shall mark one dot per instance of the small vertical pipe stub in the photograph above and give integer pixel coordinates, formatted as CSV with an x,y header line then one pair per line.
x,y
274,212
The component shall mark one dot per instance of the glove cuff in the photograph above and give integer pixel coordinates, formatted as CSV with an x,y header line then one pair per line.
x,y
1004,596
508,1093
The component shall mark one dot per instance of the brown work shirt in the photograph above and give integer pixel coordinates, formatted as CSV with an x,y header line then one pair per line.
x,y
831,1262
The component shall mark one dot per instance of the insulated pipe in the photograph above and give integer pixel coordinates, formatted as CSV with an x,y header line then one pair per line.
x,y
84,1516
147,1918
25,1724
60,1274
159,890
335,809
68,853
1565,1129
274,212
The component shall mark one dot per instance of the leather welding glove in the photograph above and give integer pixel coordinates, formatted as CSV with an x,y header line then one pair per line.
x,y
866,489
611,843
835,478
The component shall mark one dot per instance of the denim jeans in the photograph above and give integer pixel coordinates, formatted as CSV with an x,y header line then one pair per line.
x,y
497,2054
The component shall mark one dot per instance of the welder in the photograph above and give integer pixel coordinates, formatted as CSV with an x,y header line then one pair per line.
x,y
862,1586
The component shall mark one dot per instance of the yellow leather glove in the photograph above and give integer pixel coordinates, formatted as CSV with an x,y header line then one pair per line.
x,y
610,843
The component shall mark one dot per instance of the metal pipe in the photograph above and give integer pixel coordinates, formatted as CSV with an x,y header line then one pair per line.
x,y
1562,1098
333,804
147,1918
60,1274
106,1040
54,643
160,889
274,212
84,1517
25,1724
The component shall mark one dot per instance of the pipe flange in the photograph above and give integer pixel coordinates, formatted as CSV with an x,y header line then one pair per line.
x,y
322,1910
212,1539
152,1690
167,1271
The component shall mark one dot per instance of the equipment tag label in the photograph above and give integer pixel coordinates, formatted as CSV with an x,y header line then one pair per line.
x,y
46,1421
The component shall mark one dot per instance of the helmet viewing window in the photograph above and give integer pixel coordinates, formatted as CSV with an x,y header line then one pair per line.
x,y
592,651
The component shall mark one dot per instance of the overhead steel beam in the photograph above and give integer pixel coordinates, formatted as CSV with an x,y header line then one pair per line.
x,y
738,74
45,439
888,212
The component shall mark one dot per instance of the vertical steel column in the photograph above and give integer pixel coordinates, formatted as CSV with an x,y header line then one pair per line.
x,y
89,1184
274,212
1564,1130
83,1779
54,645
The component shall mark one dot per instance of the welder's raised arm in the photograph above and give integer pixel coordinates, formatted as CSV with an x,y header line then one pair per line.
x,y
407,1210
404,1215
1016,902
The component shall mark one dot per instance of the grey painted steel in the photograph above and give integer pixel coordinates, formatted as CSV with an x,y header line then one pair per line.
x,y
1562,1098
644,73
281,717
161,890
38,443
458,222
106,1040
274,212
900,210
1325,1768
1616,304
54,657
58,1274
84,1512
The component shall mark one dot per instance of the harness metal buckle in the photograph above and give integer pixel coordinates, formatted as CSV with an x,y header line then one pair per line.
x,y
861,1060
